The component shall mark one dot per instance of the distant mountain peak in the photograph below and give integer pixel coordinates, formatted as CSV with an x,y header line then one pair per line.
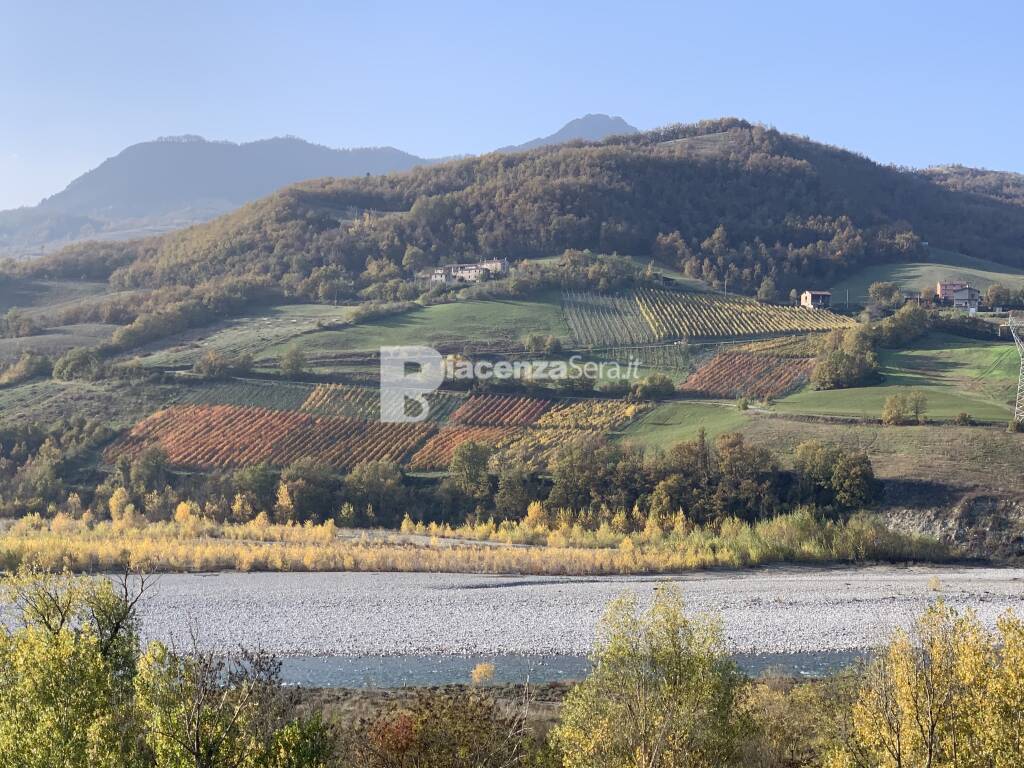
x,y
590,127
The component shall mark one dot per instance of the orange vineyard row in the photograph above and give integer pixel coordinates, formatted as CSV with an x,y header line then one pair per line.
x,y
226,436
500,410
437,453
739,374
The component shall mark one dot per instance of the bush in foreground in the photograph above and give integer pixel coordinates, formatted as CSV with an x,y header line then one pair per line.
x,y
78,691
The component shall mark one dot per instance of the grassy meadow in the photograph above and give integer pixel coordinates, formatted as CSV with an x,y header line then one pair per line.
x,y
957,375
248,334
673,422
439,325
916,276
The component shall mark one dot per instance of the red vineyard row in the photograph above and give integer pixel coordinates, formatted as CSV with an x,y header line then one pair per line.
x,y
738,374
500,410
226,436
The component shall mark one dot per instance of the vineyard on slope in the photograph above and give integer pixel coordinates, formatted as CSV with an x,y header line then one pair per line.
x,y
437,454
500,410
785,346
364,402
601,415
677,315
740,374
276,395
228,437
598,320
541,444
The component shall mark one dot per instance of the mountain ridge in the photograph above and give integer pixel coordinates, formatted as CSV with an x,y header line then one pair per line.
x,y
200,179
721,199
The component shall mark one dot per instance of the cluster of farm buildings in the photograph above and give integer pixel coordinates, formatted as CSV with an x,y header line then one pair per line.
x,y
954,293
958,294
453,274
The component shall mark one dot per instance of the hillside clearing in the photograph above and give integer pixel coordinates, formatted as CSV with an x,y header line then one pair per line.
x,y
501,322
674,422
917,276
956,375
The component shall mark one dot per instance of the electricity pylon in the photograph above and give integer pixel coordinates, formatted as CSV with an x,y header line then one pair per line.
x,y
1017,329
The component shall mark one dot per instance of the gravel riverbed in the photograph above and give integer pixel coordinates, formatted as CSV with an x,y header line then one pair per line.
x,y
772,610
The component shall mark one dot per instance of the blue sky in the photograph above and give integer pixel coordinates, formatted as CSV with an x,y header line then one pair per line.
x,y
907,83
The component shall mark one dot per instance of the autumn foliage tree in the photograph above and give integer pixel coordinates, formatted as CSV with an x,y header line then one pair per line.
x,y
663,693
948,694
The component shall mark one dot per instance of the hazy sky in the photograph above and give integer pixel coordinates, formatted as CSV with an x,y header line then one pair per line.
x,y
908,83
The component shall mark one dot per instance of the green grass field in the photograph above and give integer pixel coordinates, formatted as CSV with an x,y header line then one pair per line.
x,y
251,333
442,324
676,422
947,265
986,457
37,296
957,375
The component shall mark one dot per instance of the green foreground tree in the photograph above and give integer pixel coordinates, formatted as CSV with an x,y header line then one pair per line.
x,y
663,693
77,691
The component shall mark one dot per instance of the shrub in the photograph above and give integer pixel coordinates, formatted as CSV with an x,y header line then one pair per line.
x,y
79,363
28,366
448,729
654,387
946,694
905,408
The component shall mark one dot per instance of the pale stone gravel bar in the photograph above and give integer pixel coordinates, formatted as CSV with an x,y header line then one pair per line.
x,y
773,610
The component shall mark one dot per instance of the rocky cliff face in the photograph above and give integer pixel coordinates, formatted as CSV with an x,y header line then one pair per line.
x,y
978,524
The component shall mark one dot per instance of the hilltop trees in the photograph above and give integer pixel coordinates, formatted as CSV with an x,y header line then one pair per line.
x,y
770,207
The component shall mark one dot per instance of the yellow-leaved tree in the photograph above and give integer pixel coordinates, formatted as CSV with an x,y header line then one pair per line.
x,y
949,694
662,694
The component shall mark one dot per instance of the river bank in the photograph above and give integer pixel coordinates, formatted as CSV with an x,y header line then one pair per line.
x,y
773,610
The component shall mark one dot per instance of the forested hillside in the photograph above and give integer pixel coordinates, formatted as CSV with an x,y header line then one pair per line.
x,y
720,199
999,185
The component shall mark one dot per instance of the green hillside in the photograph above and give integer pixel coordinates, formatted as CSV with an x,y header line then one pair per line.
x,y
916,276
674,422
753,203
957,376
482,322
